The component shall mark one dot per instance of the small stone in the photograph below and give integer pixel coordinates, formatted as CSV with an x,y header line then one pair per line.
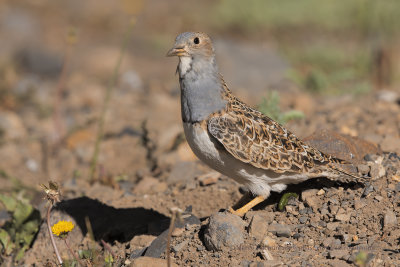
x,y
355,238
258,227
149,185
368,190
328,242
337,253
179,246
396,178
309,196
303,219
359,204
389,219
279,229
269,242
343,217
209,178
377,171
224,231
363,169
266,255
334,209
178,231
379,198
32,165
321,192
332,226
149,262
398,187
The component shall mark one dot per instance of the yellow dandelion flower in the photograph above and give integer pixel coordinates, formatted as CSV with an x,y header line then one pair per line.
x,y
62,228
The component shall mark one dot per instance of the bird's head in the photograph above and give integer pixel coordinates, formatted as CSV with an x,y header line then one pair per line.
x,y
192,44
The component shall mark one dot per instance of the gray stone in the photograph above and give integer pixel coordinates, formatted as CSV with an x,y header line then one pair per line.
x,y
390,219
258,226
368,190
224,231
179,246
303,219
280,229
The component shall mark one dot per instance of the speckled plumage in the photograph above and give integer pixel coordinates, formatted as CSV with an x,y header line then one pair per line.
x,y
236,139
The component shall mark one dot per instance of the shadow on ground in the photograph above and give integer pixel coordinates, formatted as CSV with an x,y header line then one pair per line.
x,y
111,224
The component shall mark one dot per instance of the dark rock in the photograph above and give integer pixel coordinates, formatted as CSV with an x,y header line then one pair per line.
x,y
224,231
280,229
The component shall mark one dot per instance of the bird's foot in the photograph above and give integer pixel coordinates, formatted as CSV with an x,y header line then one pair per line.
x,y
243,210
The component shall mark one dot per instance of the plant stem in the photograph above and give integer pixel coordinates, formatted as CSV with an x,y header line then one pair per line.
x,y
106,103
107,246
53,242
70,251
171,229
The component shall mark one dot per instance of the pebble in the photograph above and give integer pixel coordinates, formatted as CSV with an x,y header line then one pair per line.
x,y
368,190
179,246
149,185
328,242
363,169
258,227
338,253
303,219
343,217
178,231
281,230
224,231
377,171
321,192
398,187
359,204
266,255
332,226
269,242
309,197
149,262
209,178
389,219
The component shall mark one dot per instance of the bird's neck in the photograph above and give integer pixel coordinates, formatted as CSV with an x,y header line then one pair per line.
x,y
201,88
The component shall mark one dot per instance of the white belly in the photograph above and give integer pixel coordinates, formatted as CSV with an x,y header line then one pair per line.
x,y
258,181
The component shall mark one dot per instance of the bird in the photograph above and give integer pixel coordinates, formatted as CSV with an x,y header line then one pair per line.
x,y
237,140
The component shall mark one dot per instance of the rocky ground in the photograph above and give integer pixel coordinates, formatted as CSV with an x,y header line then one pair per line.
x,y
146,171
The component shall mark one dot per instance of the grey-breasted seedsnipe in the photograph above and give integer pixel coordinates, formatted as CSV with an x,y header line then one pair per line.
x,y
236,140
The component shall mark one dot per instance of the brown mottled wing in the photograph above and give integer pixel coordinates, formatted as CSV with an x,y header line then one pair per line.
x,y
258,140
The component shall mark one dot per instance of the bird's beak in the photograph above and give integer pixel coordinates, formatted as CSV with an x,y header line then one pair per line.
x,y
177,51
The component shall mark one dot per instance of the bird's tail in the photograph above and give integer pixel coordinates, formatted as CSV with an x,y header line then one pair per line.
x,y
346,175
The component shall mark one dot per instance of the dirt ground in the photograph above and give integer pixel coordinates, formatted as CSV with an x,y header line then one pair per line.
x,y
145,167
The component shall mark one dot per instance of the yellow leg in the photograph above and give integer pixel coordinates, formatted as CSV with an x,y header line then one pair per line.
x,y
242,211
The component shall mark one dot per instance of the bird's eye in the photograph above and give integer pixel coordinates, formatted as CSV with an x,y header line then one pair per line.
x,y
196,40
